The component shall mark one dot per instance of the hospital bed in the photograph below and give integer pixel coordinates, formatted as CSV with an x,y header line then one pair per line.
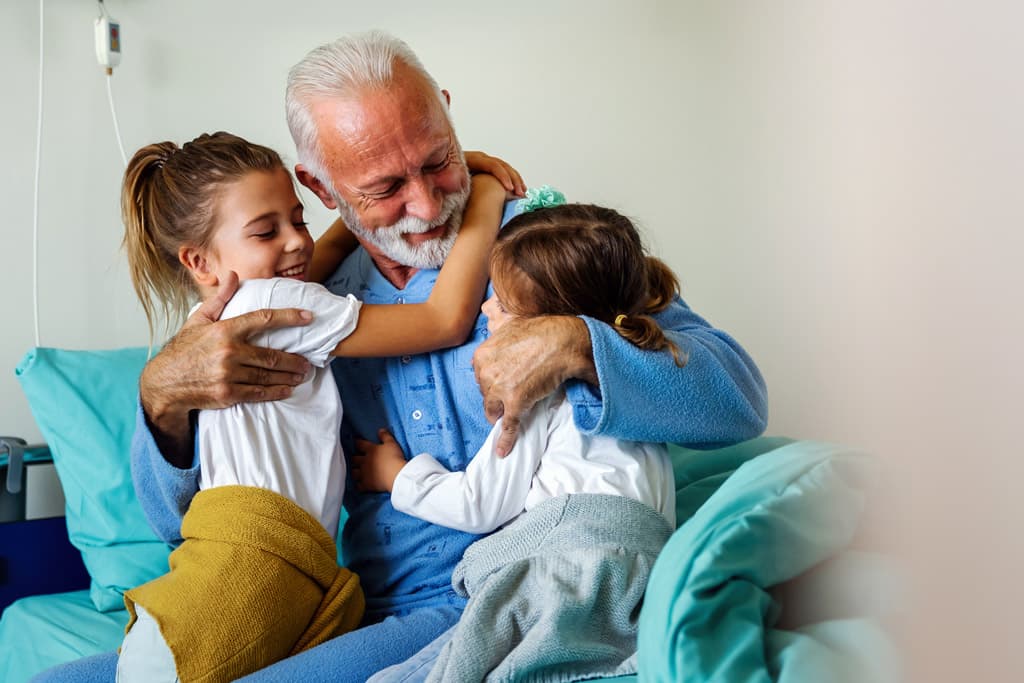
x,y
764,579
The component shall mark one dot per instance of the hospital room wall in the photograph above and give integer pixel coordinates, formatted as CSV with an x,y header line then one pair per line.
x,y
194,66
836,183
557,88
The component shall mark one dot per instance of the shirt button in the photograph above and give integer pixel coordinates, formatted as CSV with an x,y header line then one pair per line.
x,y
406,360
401,299
417,414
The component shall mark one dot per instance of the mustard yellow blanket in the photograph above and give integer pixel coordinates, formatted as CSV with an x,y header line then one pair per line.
x,y
255,580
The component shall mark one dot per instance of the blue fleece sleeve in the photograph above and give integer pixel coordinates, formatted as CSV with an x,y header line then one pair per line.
x,y
718,398
163,490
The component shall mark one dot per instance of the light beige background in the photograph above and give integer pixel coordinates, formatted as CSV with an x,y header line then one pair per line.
x,y
837,183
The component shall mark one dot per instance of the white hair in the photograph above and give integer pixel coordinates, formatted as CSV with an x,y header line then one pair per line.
x,y
342,69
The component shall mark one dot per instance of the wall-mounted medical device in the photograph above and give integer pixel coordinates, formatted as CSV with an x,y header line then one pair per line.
x,y
108,40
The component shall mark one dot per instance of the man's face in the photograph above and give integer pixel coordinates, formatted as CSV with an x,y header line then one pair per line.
x,y
397,171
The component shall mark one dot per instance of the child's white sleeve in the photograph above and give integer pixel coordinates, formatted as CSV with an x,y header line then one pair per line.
x,y
488,494
334,318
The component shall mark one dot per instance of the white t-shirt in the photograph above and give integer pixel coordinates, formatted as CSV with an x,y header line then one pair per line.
x,y
291,446
551,458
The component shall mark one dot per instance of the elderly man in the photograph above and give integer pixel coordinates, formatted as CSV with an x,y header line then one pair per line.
x,y
376,142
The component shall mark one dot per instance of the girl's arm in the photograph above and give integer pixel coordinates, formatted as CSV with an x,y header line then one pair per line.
x,y
330,250
338,242
446,318
478,162
489,493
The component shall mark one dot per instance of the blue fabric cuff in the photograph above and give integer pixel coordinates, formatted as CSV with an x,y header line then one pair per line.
x,y
588,406
164,491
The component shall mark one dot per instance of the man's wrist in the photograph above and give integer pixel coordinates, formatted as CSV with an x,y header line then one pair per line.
x,y
581,352
164,422
170,426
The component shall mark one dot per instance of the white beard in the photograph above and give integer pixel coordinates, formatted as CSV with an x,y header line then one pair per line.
x,y
388,239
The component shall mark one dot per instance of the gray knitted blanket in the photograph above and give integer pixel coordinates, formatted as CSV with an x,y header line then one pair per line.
x,y
556,595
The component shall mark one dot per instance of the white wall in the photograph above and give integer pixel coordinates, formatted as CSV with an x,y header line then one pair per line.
x,y
837,183
193,66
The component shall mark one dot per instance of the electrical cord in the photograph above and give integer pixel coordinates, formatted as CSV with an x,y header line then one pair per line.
x,y
35,193
39,154
113,115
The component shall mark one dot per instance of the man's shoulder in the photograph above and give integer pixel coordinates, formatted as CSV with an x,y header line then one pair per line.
x,y
510,211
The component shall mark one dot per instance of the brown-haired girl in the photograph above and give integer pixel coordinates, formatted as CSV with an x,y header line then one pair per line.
x,y
575,259
581,259
256,578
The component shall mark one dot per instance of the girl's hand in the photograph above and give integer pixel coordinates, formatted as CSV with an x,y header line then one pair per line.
x,y
478,162
487,190
376,466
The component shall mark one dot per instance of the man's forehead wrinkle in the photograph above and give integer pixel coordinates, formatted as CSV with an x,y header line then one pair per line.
x,y
385,133
337,124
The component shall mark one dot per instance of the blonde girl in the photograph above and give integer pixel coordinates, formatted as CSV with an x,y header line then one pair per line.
x,y
255,579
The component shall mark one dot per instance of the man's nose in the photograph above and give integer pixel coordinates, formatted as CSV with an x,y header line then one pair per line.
x,y
424,199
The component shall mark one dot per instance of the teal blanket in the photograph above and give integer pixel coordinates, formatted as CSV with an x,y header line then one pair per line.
x,y
757,583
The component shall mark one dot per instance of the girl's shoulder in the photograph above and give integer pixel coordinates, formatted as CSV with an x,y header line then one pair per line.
x,y
276,292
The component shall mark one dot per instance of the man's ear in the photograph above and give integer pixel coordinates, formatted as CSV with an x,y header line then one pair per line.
x,y
315,186
447,97
197,265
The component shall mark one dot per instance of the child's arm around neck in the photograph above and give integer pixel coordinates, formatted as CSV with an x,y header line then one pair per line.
x,y
330,250
446,318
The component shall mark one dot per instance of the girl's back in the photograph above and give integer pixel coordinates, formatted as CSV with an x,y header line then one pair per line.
x,y
289,446
573,462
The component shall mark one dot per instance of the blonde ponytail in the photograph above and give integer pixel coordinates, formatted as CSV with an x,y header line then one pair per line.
x,y
158,278
167,200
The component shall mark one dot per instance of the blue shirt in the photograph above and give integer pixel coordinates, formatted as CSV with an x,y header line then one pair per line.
x,y
431,403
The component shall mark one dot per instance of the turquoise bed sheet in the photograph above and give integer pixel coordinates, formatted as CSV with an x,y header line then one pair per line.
x,y
45,630
755,585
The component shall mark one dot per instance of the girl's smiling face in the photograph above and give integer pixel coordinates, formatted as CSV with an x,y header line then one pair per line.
x,y
260,232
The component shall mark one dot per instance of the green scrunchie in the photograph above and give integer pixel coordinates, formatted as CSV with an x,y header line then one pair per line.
x,y
539,198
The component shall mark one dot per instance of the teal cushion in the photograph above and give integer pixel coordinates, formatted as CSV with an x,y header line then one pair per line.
x,y
754,517
84,403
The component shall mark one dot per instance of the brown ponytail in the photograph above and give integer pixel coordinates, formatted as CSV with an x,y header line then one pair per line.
x,y
168,200
641,329
581,259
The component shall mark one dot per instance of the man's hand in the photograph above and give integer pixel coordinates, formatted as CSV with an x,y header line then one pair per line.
x,y
526,360
376,466
210,364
